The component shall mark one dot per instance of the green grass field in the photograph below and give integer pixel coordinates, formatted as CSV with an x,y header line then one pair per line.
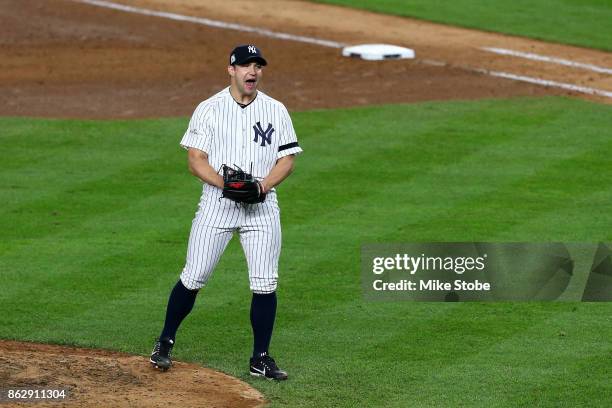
x,y
96,214
584,23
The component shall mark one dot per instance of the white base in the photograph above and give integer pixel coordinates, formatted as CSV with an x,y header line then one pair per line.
x,y
377,52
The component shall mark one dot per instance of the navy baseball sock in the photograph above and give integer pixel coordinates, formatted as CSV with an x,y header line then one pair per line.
x,y
263,313
179,305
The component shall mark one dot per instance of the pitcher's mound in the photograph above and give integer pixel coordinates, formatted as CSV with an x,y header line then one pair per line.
x,y
112,379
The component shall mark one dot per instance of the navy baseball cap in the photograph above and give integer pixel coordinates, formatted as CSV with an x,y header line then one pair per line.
x,y
246,53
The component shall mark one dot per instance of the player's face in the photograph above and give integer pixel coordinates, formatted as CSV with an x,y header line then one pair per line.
x,y
246,77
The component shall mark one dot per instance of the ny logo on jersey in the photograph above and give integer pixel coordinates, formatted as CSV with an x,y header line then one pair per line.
x,y
252,49
266,136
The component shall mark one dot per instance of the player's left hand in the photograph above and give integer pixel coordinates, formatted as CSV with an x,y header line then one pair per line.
x,y
241,187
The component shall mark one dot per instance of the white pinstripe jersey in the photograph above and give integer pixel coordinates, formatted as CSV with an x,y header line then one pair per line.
x,y
258,134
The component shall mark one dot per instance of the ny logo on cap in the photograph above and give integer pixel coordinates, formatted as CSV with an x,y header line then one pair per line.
x,y
233,59
252,49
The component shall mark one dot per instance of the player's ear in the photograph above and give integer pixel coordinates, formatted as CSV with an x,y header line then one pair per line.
x,y
231,70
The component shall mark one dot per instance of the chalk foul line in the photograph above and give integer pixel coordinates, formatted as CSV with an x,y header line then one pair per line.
x,y
545,58
212,23
545,82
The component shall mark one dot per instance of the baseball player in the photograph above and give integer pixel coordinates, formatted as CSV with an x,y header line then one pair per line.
x,y
246,129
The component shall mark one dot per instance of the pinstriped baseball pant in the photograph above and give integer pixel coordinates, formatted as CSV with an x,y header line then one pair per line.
x,y
259,229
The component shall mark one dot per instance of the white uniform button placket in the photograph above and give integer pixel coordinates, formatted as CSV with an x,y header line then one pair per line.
x,y
244,133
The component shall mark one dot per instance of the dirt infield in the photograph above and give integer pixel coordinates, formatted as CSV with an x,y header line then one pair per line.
x,y
111,379
68,59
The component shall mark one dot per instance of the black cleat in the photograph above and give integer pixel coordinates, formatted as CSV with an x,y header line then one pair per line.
x,y
162,354
265,366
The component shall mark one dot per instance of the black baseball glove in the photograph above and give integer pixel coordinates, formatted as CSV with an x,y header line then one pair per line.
x,y
241,187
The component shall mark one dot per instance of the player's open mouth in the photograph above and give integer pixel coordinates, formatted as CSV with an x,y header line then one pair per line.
x,y
250,83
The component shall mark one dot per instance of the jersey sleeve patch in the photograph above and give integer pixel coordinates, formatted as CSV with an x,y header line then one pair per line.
x,y
199,134
196,139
